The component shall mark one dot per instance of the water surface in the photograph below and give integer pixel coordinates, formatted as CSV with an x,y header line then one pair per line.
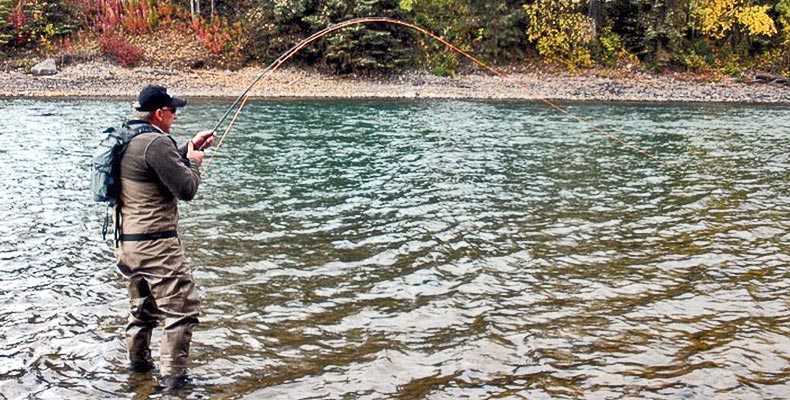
x,y
420,250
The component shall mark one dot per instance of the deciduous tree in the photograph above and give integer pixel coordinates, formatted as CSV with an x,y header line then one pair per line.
x,y
561,32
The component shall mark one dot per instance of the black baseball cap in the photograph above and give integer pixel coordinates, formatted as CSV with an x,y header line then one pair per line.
x,y
154,97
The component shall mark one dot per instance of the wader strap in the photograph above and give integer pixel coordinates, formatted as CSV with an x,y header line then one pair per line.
x,y
138,237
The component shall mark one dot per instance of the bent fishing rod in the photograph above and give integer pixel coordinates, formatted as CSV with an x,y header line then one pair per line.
x,y
241,100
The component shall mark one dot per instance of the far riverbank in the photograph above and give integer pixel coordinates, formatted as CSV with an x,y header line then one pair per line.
x,y
106,80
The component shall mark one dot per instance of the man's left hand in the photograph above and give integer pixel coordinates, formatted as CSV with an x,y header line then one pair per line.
x,y
203,140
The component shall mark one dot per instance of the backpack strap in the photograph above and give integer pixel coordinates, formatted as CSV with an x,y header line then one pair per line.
x,y
138,127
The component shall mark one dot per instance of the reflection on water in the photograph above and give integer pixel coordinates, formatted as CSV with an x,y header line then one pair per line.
x,y
421,249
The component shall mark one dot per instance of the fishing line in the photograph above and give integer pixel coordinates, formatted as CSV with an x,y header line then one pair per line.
x,y
241,100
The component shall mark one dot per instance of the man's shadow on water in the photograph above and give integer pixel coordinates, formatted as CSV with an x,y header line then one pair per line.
x,y
146,385
143,385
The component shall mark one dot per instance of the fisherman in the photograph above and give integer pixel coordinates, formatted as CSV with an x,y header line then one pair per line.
x,y
154,175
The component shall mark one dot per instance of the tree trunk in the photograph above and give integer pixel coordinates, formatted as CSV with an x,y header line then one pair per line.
x,y
595,12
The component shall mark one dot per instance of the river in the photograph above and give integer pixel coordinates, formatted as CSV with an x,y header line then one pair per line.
x,y
420,250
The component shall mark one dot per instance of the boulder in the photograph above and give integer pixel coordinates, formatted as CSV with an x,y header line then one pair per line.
x,y
46,67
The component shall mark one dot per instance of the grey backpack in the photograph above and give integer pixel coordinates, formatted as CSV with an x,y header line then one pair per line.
x,y
105,179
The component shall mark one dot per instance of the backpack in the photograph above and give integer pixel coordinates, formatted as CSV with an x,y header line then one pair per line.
x,y
105,171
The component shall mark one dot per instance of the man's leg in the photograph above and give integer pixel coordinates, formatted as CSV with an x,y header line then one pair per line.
x,y
177,300
143,318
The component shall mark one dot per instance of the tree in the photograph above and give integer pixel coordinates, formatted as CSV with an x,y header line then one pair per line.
x,y
654,30
493,31
561,32
194,9
595,12
363,48
6,6
783,8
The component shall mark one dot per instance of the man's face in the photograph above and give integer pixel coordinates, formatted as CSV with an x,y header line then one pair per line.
x,y
164,118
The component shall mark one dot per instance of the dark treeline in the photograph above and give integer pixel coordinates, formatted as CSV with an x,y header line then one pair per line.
x,y
728,36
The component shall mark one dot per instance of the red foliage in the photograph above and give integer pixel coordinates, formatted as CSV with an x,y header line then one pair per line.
x,y
18,21
132,16
119,49
215,34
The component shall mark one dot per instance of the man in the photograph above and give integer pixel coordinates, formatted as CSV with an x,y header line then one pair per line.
x,y
154,175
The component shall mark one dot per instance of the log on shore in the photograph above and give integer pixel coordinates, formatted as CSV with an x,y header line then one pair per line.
x,y
765,78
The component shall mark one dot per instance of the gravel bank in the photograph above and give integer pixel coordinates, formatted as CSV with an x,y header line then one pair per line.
x,y
100,79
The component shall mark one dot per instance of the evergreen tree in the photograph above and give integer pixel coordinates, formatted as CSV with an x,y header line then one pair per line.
x,y
364,48
655,30
6,6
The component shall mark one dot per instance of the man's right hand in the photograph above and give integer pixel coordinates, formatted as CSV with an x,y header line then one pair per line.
x,y
195,155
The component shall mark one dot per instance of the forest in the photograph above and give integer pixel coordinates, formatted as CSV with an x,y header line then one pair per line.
x,y
723,36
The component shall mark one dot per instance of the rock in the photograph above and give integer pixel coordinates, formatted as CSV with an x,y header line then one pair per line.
x,y
46,67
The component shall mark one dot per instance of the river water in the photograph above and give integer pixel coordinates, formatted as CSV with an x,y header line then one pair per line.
x,y
420,250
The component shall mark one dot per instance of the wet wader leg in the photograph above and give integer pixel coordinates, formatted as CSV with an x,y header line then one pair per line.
x,y
179,303
143,318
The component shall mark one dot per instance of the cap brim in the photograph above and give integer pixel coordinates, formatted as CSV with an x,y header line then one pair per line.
x,y
177,102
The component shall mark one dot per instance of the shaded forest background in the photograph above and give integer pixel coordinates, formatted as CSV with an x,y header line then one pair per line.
x,y
717,36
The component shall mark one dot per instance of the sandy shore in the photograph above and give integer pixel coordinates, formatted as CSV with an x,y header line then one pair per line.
x,y
99,79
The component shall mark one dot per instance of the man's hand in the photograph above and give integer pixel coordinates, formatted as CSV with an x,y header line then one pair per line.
x,y
193,154
203,140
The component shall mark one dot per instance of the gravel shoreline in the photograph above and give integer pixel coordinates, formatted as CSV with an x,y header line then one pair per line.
x,y
105,80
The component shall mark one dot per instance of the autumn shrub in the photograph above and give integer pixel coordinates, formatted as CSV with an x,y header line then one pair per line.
x,y
120,50
561,32
694,62
131,16
217,35
775,61
609,48
730,63
443,64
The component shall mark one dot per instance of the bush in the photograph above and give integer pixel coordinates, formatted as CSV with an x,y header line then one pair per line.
x,y
132,16
609,48
694,62
561,32
118,49
217,35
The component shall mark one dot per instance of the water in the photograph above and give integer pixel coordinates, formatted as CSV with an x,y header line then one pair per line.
x,y
420,250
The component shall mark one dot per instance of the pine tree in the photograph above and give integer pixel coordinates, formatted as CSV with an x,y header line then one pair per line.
x,y
6,6
363,48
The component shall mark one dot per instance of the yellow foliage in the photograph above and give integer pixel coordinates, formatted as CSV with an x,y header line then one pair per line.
x,y
561,32
756,20
716,18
